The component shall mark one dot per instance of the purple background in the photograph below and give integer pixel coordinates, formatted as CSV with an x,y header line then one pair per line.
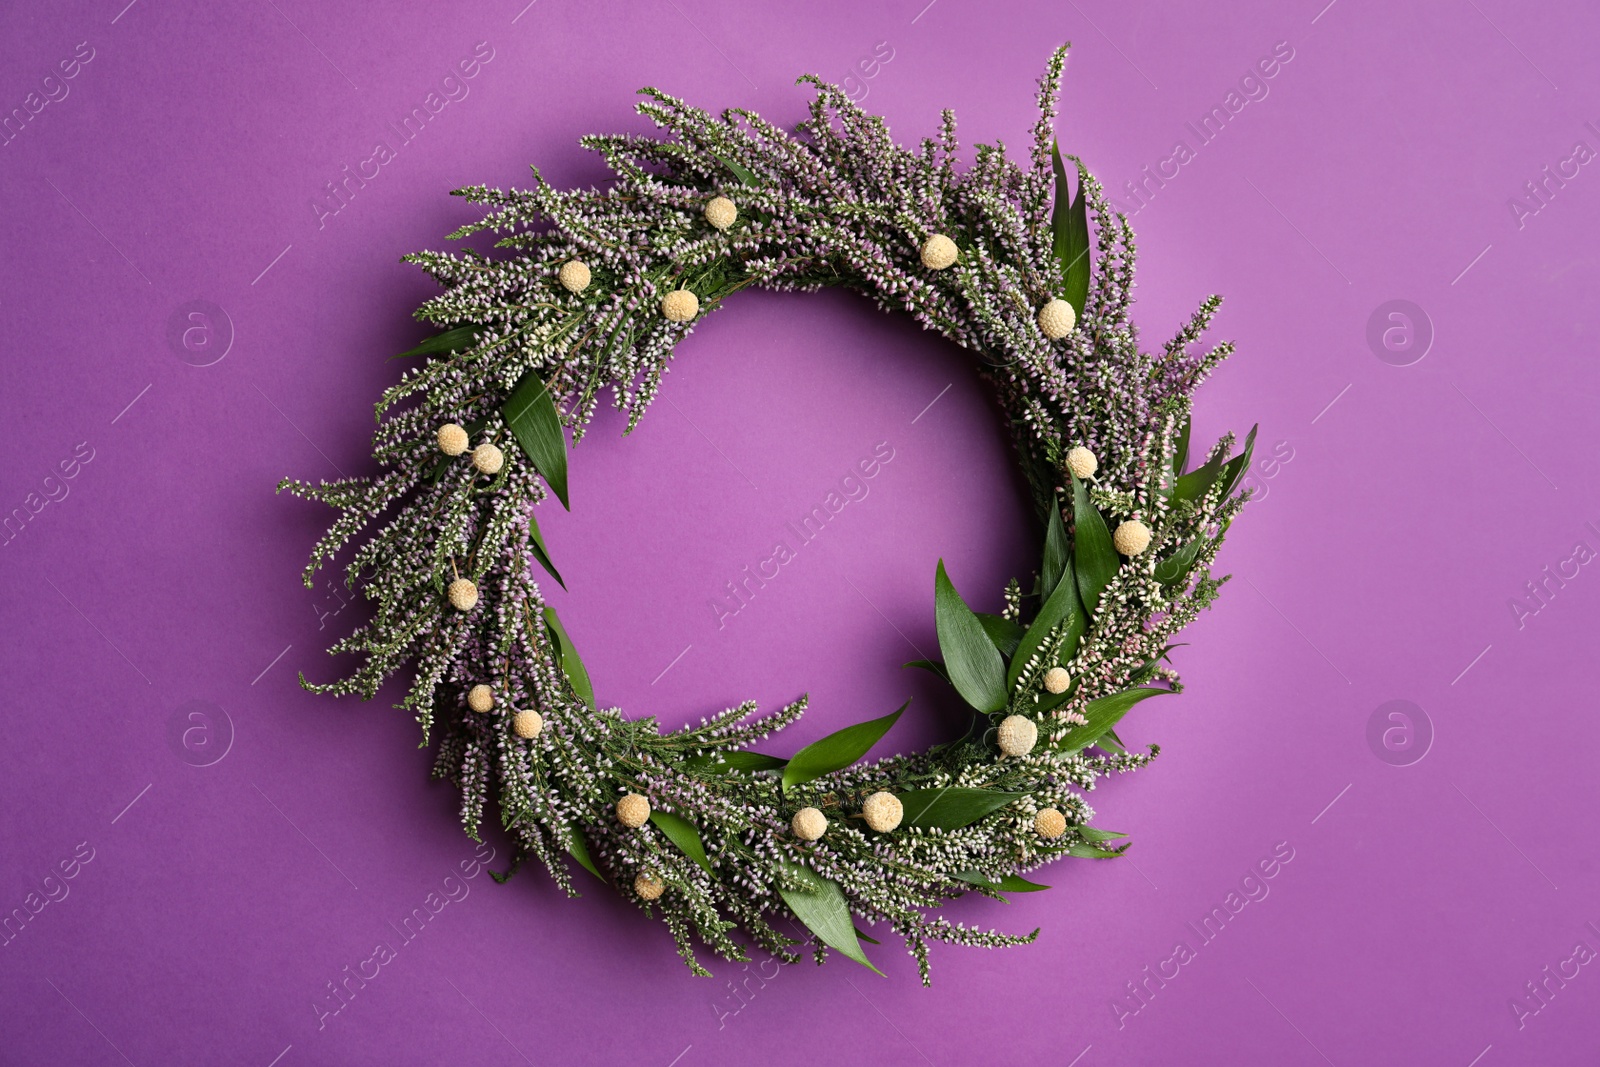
x,y
1403,508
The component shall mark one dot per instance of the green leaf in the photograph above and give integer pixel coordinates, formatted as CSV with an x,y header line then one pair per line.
x,y
531,414
1062,604
578,849
744,176
1011,883
1069,222
1002,632
1111,743
821,906
734,762
1181,455
1089,833
1171,570
1057,552
1091,852
457,340
951,808
540,552
1239,464
1103,714
931,665
1094,558
975,667
868,938
570,663
839,749
684,835
1193,486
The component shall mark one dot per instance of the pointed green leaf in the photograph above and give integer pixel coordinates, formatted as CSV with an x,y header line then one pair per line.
x,y
1171,570
1181,455
734,762
1057,552
822,907
1095,560
1092,852
1103,714
571,665
1111,743
975,667
1193,486
1003,633
1089,833
933,666
540,552
683,834
1239,464
531,414
1069,223
839,749
1062,605
1011,883
744,175
457,340
866,937
950,808
578,849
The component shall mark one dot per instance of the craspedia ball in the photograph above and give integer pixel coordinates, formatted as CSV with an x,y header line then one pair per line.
x,y
680,305
1056,680
1050,823
463,594
480,698
633,810
527,724
939,252
488,459
574,275
1056,319
883,811
1131,538
1081,462
649,887
721,212
1017,735
809,824
452,439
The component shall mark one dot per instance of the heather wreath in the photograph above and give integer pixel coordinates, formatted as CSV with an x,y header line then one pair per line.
x,y
590,291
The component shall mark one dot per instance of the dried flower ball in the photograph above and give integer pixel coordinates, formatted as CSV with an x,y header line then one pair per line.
x,y
1056,680
1056,319
453,439
649,887
480,698
527,724
1081,462
939,252
1017,735
1050,823
883,811
488,459
680,305
721,212
574,275
1131,538
463,594
809,824
633,810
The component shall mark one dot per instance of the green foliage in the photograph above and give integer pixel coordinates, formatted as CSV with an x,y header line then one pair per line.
x,y
820,904
838,750
531,414
971,658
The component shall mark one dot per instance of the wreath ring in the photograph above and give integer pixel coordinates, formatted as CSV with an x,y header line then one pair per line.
x,y
595,290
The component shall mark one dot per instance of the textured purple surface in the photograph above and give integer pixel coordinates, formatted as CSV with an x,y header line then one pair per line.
x,y
1404,510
